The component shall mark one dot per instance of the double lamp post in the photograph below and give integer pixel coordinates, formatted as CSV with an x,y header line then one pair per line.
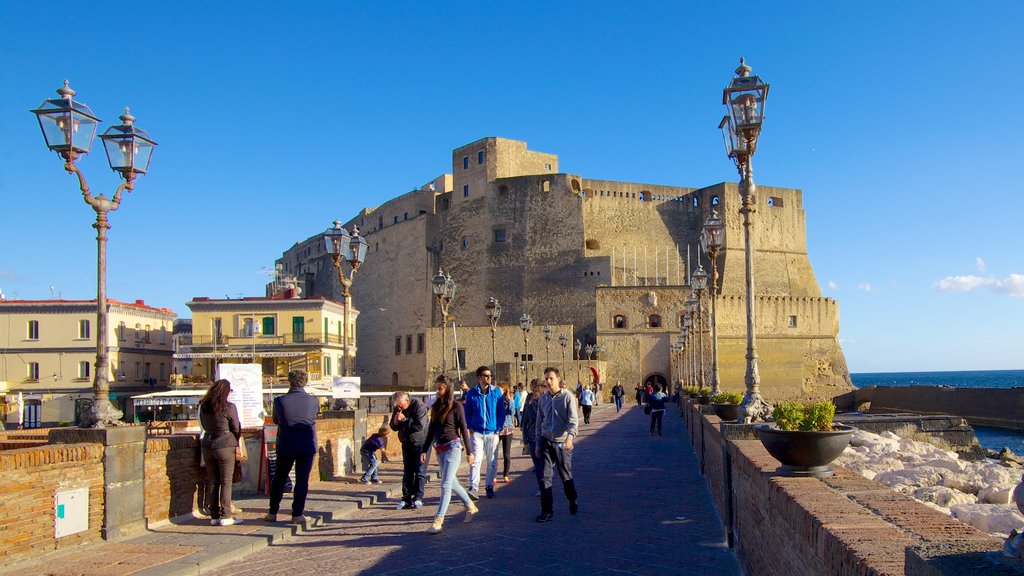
x,y
345,248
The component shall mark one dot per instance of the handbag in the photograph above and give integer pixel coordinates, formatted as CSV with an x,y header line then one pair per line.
x,y
236,477
241,454
647,408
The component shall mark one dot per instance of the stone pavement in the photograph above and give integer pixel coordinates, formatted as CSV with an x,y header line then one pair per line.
x,y
644,509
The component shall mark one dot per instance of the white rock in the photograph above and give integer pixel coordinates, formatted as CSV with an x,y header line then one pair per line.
x,y
995,494
991,518
942,496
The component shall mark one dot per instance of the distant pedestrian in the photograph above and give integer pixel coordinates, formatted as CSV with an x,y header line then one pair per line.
x,y
409,419
639,395
505,433
295,415
485,414
617,393
586,403
657,403
223,429
447,433
557,420
368,453
517,403
529,427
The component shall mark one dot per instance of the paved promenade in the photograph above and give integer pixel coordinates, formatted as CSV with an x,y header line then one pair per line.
x,y
644,509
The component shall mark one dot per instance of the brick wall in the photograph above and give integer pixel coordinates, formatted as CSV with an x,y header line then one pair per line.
x,y
31,478
173,476
844,525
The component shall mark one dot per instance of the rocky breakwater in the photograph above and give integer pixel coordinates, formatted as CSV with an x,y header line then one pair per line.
x,y
978,493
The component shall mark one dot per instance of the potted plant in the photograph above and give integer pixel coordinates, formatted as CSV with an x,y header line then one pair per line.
x,y
804,439
727,405
704,395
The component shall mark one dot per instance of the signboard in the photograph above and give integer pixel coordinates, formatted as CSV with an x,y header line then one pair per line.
x,y
346,387
246,391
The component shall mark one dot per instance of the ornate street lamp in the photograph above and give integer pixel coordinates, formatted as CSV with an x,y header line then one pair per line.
x,y
547,344
345,248
711,239
563,340
691,375
693,309
699,280
745,99
493,310
525,322
578,346
69,128
590,351
444,289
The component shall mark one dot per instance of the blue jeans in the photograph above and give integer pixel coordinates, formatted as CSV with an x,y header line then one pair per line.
x,y
449,461
370,465
618,403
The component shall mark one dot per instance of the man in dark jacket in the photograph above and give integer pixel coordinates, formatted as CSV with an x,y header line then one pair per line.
x,y
409,419
295,415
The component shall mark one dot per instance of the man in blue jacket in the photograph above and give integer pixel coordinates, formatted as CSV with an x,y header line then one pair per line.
x,y
485,413
295,415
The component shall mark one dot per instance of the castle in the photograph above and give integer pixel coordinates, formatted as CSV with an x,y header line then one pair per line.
x,y
607,262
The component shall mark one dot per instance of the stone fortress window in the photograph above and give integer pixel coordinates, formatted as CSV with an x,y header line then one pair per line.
x,y
503,190
593,244
775,201
792,321
499,236
480,157
398,345
545,186
654,321
714,200
619,322
465,190
465,162
547,166
465,241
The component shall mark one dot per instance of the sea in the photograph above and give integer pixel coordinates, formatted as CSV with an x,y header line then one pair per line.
x,y
991,438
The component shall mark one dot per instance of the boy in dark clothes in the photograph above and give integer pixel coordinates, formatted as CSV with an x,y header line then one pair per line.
x,y
369,453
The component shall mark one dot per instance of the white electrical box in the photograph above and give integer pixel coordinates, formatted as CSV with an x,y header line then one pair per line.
x,y
71,512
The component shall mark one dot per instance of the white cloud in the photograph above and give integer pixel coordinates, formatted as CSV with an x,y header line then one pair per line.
x,y
832,284
980,264
1012,285
865,287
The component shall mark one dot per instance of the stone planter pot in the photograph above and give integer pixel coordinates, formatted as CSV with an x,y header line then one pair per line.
x,y
804,453
727,412
703,400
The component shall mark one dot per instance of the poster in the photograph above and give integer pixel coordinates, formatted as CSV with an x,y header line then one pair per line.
x,y
346,387
246,391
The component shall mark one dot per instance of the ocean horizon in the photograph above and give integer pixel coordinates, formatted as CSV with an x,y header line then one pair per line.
x,y
991,438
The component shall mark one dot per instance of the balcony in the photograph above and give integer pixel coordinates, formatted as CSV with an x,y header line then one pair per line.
x,y
262,340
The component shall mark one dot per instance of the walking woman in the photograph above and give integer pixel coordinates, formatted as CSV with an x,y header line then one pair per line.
x,y
657,403
529,426
448,434
505,433
219,419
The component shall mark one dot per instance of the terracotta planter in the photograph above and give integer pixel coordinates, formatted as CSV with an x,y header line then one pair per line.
x,y
804,453
703,400
727,412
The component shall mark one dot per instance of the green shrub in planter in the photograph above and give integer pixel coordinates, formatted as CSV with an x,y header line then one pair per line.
x,y
703,391
727,398
809,417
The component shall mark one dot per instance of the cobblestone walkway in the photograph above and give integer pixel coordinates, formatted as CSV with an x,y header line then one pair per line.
x,y
644,509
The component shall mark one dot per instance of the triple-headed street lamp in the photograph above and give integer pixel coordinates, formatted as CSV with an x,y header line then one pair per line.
x,y
711,239
547,344
699,279
525,322
493,310
563,340
69,128
745,99
351,248
444,289
693,309
578,346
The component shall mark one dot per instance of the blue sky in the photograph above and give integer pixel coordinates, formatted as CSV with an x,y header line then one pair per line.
x,y
897,120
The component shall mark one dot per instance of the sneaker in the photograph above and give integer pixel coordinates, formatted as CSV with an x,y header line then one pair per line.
x,y
471,512
436,527
403,506
505,479
300,519
538,493
215,522
573,507
229,521
364,481
270,518
473,495
376,481
417,504
236,510
490,491
545,517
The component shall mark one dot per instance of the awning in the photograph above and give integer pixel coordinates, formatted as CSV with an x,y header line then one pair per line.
x,y
199,355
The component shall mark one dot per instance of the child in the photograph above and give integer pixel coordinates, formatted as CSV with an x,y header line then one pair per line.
x,y
369,453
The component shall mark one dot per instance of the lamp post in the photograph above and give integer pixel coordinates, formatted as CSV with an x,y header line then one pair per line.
x,y
563,340
444,290
711,239
525,322
578,346
69,128
493,310
351,248
547,344
693,308
688,340
745,99
699,279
